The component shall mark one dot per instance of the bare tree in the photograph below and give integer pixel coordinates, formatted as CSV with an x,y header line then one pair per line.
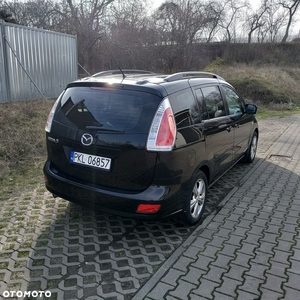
x,y
86,20
7,17
183,21
215,14
232,10
127,32
291,6
180,24
275,20
38,13
256,19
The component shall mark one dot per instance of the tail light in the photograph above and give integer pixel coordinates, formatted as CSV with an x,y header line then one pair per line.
x,y
148,208
163,129
51,115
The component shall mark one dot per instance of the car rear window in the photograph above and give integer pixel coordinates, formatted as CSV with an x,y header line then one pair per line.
x,y
107,109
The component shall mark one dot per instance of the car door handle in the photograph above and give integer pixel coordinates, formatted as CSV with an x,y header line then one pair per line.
x,y
228,128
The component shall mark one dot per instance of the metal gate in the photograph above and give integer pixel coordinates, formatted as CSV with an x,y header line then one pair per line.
x,y
35,63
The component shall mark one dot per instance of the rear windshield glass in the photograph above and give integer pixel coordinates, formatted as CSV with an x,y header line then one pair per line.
x,y
107,109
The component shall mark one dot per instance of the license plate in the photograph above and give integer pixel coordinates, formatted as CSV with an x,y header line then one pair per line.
x,y
90,160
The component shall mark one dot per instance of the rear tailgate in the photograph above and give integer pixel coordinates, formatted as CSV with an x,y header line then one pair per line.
x,y
99,136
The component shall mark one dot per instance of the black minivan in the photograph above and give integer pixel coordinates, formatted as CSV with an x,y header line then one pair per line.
x,y
144,145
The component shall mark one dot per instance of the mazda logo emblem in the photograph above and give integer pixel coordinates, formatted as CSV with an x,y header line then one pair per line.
x,y
86,139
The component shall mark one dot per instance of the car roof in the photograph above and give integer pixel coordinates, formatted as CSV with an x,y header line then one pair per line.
x,y
160,84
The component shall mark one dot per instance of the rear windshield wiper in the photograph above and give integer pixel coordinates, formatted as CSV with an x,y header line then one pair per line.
x,y
101,128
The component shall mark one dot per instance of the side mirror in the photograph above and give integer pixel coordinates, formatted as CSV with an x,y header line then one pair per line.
x,y
251,109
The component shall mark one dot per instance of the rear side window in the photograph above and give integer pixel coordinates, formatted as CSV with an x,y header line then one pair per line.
x,y
185,108
201,104
107,109
214,102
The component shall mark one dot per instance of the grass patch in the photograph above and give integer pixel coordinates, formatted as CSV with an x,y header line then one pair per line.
x,y
23,254
20,264
262,84
279,110
22,145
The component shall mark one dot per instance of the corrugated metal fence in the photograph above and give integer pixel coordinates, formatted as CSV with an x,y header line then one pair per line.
x,y
35,62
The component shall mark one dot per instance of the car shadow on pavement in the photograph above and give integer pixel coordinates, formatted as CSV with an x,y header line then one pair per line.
x,y
86,253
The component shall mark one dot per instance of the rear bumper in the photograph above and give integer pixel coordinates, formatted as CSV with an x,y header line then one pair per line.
x,y
113,201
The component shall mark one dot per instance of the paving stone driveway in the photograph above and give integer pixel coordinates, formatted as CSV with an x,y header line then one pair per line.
x,y
51,245
251,248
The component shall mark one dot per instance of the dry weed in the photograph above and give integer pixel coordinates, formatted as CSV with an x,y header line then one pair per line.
x,y
22,137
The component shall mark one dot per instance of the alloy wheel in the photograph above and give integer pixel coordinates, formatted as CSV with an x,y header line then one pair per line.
x,y
198,198
253,147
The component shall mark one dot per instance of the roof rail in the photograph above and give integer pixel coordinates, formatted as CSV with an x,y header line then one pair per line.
x,y
191,74
125,71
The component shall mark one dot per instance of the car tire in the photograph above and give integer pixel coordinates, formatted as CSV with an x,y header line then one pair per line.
x,y
251,151
195,199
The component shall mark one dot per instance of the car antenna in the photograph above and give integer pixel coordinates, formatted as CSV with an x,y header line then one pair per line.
x,y
114,59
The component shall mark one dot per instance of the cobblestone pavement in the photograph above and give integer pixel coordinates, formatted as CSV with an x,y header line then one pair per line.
x,y
247,245
250,249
